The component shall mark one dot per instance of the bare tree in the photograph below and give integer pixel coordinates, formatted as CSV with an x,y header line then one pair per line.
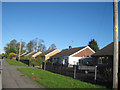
x,y
30,46
22,47
35,43
52,46
41,45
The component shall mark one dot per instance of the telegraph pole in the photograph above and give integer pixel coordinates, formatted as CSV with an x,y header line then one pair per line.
x,y
115,57
20,48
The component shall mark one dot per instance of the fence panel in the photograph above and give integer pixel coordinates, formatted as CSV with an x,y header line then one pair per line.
x,y
101,75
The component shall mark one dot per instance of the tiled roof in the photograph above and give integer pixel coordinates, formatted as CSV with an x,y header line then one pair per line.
x,y
46,52
31,53
23,54
107,50
67,52
36,54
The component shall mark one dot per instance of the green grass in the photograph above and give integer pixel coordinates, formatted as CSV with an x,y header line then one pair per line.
x,y
52,80
15,63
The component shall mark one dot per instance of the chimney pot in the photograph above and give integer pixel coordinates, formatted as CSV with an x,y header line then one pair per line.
x,y
70,47
49,48
38,50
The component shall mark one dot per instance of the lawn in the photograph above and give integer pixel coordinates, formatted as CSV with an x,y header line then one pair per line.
x,y
15,63
52,80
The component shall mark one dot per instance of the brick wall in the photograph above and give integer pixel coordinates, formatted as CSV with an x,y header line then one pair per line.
x,y
86,52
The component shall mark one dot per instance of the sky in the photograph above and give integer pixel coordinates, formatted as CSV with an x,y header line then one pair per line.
x,y
61,23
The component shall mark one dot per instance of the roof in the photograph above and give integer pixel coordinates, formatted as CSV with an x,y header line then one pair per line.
x,y
36,54
46,52
106,51
23,54
67,52
31,53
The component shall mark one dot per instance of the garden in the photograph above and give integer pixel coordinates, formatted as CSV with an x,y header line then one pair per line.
x,y
15,63
53,80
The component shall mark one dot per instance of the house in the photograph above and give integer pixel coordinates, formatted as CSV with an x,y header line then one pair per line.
x,y
36,54
23,54
30,54
105,55
72,56
48,53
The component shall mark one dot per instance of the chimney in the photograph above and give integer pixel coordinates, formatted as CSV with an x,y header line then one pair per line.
x,y
38,50
70,47
49,49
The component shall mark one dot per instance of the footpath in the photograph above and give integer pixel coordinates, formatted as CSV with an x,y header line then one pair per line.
x,y
11,78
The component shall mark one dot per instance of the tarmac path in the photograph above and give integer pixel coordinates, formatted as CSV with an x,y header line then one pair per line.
x,y
11,78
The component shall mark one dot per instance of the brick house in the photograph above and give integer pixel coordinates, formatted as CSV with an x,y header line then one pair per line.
x,y
72,56
105,55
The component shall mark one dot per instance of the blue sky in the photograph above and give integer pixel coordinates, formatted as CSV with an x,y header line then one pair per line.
x,y
59,23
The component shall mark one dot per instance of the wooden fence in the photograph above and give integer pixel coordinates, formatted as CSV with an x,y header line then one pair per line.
x,y
101,75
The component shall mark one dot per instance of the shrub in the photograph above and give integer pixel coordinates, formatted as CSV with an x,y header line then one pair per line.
x,y
12,56
4,55
36,61
39,61
25,58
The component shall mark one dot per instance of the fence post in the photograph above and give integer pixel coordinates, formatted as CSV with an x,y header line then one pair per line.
x,y
74,66
44,65
95,72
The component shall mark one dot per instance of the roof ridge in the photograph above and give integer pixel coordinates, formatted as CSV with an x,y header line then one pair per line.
x,y
80,47
73,48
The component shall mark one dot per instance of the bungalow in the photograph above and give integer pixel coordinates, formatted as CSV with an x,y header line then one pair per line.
x,y
30,54
48,53
23,54
72,56
36,54
105,55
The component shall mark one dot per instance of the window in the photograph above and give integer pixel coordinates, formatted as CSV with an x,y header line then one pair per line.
x,y
107,58
100,60
81,62
66,61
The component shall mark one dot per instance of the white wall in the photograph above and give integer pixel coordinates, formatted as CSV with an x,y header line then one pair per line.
x,y
70,60
73,60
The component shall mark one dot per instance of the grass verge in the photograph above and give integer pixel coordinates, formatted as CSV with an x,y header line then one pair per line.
x,y
15,63
52,80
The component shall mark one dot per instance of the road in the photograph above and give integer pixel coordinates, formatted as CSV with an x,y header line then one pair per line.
x,y
11,78
0,75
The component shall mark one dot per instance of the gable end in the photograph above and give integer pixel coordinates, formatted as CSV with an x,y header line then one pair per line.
x,y
85,52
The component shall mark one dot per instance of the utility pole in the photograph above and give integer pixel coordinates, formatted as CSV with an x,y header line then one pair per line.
x,y
20,48
115,57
